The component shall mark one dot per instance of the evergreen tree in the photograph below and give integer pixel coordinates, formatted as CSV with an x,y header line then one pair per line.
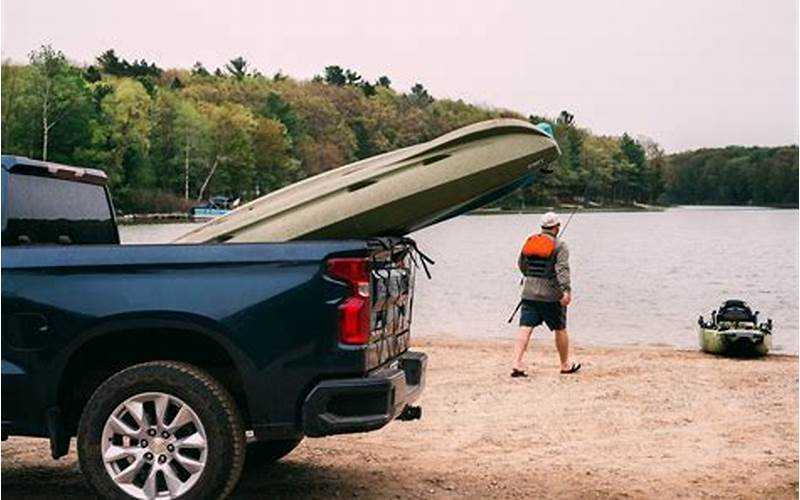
x,y
335,75
199,70
420,96
237,68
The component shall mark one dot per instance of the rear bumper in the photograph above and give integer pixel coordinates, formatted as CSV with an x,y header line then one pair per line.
x,y
364,404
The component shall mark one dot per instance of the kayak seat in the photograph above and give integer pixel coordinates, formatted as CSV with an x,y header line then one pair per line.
x,y
735,310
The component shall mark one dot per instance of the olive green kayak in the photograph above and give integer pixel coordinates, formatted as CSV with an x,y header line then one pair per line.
x,y
734,330
394,193
739,341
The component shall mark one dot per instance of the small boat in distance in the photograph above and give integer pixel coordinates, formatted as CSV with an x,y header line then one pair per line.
x,y
734,330
216,206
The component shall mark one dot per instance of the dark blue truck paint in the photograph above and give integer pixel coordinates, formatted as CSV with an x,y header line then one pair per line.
x,y
263,317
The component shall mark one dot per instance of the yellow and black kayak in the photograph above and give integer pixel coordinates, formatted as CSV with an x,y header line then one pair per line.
x,y
734,331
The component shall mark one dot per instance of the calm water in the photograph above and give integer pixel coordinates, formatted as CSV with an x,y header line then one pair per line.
x,y
638,278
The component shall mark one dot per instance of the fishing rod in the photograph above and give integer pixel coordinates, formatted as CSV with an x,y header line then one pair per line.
x,y
561,233
575,209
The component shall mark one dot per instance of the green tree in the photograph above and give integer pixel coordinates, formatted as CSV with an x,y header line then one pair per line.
x,y
571,178
19,124
419,95
334,75
92,74
654,173
230,160
56,89
199,70
180,143
566,118
111,64
352,77
127,114
194,134
276,108
367,88
237,68
274,165
634,154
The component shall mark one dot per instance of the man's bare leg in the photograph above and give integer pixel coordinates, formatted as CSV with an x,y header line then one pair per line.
x,y
523,337
562,344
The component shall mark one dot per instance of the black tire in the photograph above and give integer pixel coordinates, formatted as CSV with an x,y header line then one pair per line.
x,y
267,452
213,405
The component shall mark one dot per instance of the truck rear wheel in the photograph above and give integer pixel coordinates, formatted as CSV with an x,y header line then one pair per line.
x,y
161,429
266,452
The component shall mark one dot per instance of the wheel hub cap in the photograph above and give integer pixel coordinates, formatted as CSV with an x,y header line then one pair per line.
x,y
159,446
154,446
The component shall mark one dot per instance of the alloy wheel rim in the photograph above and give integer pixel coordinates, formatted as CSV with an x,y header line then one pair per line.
x,y
154,446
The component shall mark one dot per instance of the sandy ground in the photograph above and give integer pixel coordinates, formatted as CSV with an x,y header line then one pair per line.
x,y
637,422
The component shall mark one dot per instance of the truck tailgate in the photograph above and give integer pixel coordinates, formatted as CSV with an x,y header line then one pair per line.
x,y
392,292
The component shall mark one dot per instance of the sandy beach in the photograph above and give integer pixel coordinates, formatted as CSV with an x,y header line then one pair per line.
x,y
636,422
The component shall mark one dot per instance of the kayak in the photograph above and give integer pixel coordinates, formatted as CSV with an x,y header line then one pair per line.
x,y
395,193
746,341
734,330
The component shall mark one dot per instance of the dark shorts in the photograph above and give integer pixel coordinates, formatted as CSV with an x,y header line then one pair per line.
x,y
534,313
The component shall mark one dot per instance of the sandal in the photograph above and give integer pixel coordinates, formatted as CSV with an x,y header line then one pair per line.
x,y
518,373
575,367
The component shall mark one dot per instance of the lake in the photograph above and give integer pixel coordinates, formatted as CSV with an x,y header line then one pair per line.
x,y
638,278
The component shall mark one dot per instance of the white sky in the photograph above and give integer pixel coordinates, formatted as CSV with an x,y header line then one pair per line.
x,y
686,73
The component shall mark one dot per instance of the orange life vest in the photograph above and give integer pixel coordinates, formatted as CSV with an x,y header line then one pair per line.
x,y
539,254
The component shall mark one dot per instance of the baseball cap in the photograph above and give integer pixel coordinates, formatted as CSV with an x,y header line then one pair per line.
x,y
550,219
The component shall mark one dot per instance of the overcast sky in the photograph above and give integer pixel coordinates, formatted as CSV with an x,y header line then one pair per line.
x,y
686,73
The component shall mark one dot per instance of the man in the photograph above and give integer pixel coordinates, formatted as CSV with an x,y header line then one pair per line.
x,y
544,262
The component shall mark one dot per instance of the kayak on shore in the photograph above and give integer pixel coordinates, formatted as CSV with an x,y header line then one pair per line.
x,y
734,330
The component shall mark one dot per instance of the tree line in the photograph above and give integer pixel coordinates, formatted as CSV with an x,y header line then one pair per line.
x,y
170,137
734,175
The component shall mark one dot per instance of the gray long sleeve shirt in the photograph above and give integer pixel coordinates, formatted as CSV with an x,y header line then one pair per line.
x,y
548,289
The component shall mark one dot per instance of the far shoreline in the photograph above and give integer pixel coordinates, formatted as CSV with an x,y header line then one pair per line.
x,y
621,209
185,218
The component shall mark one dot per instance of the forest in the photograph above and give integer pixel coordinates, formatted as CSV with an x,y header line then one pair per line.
x,y
170,138
734,175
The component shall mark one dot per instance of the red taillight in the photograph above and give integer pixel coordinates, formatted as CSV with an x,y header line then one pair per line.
x,y
354,311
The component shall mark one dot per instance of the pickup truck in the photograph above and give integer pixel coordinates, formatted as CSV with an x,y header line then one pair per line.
x,y
172,363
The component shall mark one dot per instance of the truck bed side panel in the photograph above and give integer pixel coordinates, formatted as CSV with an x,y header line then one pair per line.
x,y
269,305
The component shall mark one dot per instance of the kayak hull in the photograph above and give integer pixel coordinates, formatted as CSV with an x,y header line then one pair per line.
x,y
735,342
395,193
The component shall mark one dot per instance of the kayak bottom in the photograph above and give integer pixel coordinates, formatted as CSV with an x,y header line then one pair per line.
x,y
735,343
